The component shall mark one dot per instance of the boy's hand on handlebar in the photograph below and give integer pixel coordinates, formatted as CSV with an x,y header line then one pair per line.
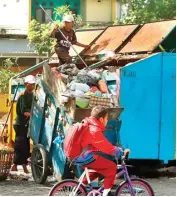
x,y
119,153
126,153
122,153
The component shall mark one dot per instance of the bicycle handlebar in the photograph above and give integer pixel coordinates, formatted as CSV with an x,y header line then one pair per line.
x,y
126,154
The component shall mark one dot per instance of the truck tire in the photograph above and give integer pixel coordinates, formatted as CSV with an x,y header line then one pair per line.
x,y
39,164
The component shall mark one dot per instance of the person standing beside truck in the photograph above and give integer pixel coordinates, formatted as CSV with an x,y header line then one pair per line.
x,y
62,47
23,109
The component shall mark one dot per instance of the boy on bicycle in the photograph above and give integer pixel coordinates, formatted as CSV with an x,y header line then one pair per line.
x,y
93,142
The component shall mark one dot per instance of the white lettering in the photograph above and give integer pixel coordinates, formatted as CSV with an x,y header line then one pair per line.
x,y
65,43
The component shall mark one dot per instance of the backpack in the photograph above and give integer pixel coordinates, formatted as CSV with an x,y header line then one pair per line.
x,y
72,142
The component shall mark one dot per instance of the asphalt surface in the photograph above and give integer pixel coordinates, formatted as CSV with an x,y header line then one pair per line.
x,y
163,186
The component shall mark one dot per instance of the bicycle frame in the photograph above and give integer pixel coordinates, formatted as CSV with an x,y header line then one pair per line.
x,y
123,172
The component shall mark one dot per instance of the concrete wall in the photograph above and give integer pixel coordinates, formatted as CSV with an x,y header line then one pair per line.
x,y
99,11
14,13
8,45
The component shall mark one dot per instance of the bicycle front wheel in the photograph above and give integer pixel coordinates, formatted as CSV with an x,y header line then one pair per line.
x,y
140,188
68,188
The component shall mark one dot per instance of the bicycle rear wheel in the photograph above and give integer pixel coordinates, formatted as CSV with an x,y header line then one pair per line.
x,y
66,187
140,187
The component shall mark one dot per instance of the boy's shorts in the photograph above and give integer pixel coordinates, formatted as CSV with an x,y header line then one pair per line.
x,y
63,55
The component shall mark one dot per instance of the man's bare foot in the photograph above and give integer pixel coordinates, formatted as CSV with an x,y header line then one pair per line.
x,y
29,161
25,169
14,168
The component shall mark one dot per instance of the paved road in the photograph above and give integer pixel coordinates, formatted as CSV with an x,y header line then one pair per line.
x,y
162,187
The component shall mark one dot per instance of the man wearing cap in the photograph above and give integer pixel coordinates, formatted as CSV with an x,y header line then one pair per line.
x,y
23,109
62,47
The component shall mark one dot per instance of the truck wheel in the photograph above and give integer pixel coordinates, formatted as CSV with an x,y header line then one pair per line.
x,y
39,164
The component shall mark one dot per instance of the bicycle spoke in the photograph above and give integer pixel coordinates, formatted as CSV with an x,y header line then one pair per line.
x,y
140,188
68,189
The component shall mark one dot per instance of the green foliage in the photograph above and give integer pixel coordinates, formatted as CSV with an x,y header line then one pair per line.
x,y
5,75
78,21
38,36
64,10
61,11
8,63
142,11
117,22
87,26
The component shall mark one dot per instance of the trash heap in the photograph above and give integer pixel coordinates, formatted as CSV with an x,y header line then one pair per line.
x,y
90,87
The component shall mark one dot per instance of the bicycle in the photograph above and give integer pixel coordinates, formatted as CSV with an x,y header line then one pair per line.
x,y
133,187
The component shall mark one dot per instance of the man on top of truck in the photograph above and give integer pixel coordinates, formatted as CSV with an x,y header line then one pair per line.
x,y
62,47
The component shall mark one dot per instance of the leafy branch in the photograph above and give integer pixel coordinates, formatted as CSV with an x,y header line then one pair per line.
x,y
5,75
143,11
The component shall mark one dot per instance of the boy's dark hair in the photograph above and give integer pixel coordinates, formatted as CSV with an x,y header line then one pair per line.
x,y
99,112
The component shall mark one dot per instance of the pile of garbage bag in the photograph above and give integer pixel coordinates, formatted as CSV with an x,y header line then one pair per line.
x,y
90,87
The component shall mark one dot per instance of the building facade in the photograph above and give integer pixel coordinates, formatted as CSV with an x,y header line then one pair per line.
x,y
49,6
14,14
90,10
98,10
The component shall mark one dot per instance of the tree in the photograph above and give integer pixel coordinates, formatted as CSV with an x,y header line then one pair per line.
x,y
5,75
38,34
63,10
142,11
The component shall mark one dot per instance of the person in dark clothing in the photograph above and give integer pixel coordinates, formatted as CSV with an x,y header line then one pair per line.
x,y
62,47
22,141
